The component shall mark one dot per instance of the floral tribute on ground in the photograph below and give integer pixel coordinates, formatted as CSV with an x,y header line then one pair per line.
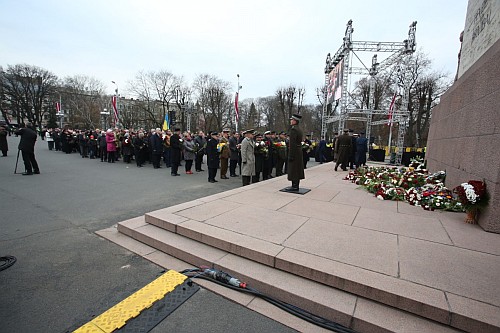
x,y
473,197
412,184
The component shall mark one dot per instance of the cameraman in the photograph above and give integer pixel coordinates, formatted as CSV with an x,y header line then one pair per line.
x,y
27,148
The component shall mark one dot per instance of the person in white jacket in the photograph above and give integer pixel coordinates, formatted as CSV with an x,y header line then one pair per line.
x,y
49,138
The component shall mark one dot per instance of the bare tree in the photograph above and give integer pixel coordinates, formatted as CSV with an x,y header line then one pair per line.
x,y
27,89
215,100
425,87
426,93
82,97
267,109
280,96
156,91
290,100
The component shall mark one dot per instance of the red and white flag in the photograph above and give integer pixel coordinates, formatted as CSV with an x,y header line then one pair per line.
x,y
237,113
58,107
115,110
391,109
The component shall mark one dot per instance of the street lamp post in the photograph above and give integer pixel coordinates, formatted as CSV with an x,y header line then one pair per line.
x,y
115,106
60,112
182,100
104,115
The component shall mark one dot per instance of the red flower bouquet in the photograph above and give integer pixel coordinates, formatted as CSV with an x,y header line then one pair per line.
x,y
473,197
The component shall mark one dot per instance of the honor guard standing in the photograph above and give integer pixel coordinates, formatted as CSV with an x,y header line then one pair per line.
x,y
295,157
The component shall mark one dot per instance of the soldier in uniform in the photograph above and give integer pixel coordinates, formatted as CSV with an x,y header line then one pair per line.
x,y
281,152
224,153
261,157
247,157
212,156
295,159
306,149
343,150
267,167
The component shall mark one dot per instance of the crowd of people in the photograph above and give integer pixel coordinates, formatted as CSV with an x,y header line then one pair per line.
x,y
226,152
350,149
222,152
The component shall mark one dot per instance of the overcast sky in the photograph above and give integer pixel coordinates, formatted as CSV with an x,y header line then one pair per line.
x,y
269,43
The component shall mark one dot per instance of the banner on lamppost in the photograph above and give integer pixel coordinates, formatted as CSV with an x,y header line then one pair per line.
x,y
166,122
115,110
58,107
237,113
391,109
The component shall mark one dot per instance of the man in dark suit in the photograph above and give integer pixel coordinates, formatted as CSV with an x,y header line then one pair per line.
x,y
212,156
156,145
27,148
175,146
295,158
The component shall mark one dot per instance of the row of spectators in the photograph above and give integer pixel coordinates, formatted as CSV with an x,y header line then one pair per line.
x,y
156,145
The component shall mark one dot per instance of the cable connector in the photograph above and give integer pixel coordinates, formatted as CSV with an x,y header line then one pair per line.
x,y
224,278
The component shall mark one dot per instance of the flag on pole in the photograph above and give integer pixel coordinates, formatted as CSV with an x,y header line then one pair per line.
x,y
237,113
115,110
166,123
391,108
58,107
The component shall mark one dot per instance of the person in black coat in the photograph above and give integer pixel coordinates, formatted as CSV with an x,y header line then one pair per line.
x,y
175,152
343,150
4,146
212,157
235,154
65,141
140,149
156,146
352,155
101,141
200,143
27,148
361,150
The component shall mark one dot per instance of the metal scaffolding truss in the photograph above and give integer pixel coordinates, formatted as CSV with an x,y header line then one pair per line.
x,y
339,72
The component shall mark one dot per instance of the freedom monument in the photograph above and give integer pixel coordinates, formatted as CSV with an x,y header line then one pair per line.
x,y
464,133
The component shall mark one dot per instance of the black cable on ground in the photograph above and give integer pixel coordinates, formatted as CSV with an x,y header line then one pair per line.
x,y
221,278
6,262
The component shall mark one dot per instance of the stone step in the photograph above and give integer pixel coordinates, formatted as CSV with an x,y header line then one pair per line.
x,y
437,305
348,309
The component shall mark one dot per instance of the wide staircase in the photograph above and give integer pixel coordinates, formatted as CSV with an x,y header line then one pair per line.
x,y
362,299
